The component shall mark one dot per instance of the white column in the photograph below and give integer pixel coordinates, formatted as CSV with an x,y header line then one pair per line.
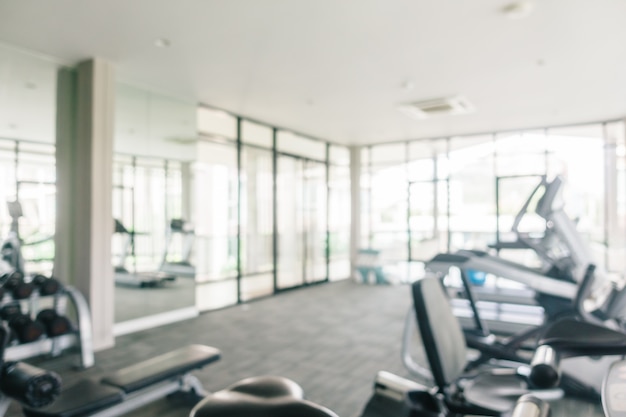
x,y
85,108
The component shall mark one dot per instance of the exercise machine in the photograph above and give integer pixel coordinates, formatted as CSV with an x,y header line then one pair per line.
x,y
519,347
563,340
554,285
569,338
11,249
181,266
460,390
139,279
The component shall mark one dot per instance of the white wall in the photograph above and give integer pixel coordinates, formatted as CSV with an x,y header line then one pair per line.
x,y
27,96
150,124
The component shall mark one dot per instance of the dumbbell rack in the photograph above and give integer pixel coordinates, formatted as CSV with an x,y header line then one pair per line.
x,y
54,346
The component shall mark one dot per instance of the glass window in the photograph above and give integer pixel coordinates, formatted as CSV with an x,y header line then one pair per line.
x,y
421,163
428,219
36,162
290,215
339,155
472,192
366,152
216,187
256,134
616,196
577,154
389,196
293,144
36,191
522,153
256,286
339,212
365,198
315,223
388,154
217,122
8,182
257,224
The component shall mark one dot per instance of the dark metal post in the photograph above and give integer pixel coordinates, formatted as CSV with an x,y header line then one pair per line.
x,y
275,208
239,187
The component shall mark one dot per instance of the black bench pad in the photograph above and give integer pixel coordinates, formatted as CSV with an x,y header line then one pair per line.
x,y
85,397
162,367
88,396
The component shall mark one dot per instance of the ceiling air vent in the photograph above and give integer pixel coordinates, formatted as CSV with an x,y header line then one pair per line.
x,y
437,107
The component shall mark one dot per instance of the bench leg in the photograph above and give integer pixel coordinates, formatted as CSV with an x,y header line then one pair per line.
x,y
191,383
186,383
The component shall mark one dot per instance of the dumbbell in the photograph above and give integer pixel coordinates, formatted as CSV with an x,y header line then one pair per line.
x,y
45,285
7,312
33,387
24,328
14,283
53,323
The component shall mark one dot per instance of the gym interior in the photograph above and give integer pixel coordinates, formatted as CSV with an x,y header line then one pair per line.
x,y
196,193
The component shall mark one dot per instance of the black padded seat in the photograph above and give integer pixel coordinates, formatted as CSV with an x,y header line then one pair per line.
x,y
267,386
267,396
161,368
490,392
83,398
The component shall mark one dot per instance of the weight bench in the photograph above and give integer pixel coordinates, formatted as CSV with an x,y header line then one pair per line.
x,y
132,387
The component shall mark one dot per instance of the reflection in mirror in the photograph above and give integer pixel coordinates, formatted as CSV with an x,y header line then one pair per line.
x,y
154,238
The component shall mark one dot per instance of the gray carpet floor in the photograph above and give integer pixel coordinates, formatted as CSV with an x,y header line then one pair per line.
x,y
332,339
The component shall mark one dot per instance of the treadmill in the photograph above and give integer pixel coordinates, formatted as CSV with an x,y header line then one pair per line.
x,y
137,279
179,266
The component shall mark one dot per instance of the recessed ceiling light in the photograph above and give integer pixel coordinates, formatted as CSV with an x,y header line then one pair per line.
x,y
162,43
518,10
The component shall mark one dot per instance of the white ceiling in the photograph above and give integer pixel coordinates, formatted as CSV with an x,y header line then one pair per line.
x,y
335,69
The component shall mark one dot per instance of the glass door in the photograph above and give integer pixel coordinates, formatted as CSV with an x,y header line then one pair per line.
x,y
290,222
301,222
314,218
